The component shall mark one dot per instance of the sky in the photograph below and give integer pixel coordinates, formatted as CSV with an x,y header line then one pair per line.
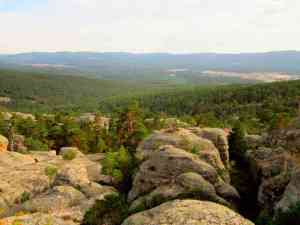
x,y
178,26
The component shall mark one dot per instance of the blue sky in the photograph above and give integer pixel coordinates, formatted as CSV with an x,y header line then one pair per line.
x,y
19,5
149,25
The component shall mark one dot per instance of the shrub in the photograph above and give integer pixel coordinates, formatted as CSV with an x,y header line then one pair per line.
x,y
51,171
264,220
195,150
17,222
120,166
113,209
25,197
69,155
291,216
35,145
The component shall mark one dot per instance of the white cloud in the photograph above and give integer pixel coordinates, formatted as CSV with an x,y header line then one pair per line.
x,y
156,25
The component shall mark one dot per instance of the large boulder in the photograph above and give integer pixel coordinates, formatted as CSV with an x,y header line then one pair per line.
x,y
170,173
3,143
187,140
272,170
187,212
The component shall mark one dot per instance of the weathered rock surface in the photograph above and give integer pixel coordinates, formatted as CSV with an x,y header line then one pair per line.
x,y
187,140
291,195
6,115
24,116
36,219
3,143
45,185
288,139
18,144
254,141
187,212
272,169
218,137
100,121
180,164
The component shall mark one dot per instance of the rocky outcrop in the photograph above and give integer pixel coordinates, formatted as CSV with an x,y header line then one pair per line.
x,y
18,144
100,121
6,115
187,212
272,170
44,185
180,164
288,139
24,116
166,122
219,138
254,141
187,140
5,100
291,195
3,144
36,219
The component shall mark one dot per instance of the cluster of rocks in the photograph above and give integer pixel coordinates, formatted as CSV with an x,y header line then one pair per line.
x,y
42,188
177,165
100,121
183,178
9,115
275,170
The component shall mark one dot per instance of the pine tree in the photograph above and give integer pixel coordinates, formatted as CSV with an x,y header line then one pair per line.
x,y
237,144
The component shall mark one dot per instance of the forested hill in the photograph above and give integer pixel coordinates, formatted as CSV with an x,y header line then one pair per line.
x,y
281,61
257,104
42,92
179,68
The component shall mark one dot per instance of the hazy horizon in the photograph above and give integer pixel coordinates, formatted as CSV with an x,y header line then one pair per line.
x,y
140,26
137,53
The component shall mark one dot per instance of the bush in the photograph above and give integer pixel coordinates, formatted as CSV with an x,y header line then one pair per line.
x,y
112,210
120,166
264,220
51,171
25,197
69,155
35,145
291,216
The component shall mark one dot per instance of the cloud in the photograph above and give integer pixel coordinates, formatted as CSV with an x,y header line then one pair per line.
x,y
143,25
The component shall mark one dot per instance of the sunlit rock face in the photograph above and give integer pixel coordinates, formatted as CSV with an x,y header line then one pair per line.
x,y
188,212
182,163
48,187
3,143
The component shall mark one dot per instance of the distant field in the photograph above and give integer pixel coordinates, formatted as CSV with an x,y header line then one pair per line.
x,y
255,76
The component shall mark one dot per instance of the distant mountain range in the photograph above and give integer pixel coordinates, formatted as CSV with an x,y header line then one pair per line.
x,y
154,65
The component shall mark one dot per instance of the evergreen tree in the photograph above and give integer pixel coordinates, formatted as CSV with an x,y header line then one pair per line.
x,y
237,144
